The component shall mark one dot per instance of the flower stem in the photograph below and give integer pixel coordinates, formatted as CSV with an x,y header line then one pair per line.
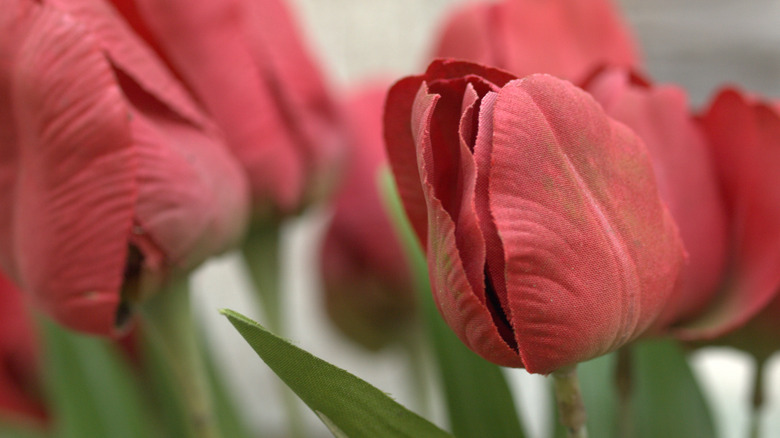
x,y
414,344
571,408
758,399
168,321
261,250
624,384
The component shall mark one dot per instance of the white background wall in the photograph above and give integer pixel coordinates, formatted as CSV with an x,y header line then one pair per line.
x,y
696,43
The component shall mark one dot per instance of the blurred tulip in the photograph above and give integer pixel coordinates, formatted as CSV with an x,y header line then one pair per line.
x,y
745,136
565,38
20,385
546,238
111,178
367,282
686,177
246,61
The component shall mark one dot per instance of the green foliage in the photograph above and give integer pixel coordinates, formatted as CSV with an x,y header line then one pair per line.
x,y
349,406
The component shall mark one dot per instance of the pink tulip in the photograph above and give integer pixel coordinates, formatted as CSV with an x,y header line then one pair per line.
x,y
565,38
686,177
546,238
246,61
111,177
20,390
367,283
745,136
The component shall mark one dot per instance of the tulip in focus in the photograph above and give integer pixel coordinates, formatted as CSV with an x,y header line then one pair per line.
x,y
20,390
248,64
112,180
366,278
546,238
565,38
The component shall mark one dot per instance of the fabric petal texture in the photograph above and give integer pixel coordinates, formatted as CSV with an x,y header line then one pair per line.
x,y
744,133
546,238
367,282
686,175
109,188
565,38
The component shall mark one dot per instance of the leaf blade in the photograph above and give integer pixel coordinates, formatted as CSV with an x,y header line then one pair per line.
x,y
352,405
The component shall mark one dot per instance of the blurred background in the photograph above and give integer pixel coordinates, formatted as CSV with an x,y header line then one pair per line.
x,y
699,44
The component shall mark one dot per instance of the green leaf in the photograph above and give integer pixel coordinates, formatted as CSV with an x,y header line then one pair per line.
x,y
667,400
479,401
92,391
353,408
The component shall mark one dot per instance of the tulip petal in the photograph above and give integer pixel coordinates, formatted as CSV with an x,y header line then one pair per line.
x,y
272,103
19,370
461,308
192,197
131,55
745,137
399,137
565,38
686,178
590,249
75,189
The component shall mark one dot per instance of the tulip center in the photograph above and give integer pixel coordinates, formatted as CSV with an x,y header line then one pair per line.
x,y
130,286
500,319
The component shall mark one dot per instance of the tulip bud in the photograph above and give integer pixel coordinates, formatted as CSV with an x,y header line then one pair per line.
x,y
367,282
112,178
546,238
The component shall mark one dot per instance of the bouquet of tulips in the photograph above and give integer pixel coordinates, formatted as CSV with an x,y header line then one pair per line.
x,y
532,199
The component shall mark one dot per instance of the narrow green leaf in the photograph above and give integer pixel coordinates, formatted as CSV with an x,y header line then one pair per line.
x,y
92,391
667,400
353,407
479,401
229,420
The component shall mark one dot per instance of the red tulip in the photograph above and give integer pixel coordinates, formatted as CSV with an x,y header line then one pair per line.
x,y
111,177
565,38
686,178
246,61
20,391
546,238
366,278
745,136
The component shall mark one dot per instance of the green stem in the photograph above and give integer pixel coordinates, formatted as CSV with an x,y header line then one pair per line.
x,y
168,321
624,384
758,400
571,408
261,250
414,343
